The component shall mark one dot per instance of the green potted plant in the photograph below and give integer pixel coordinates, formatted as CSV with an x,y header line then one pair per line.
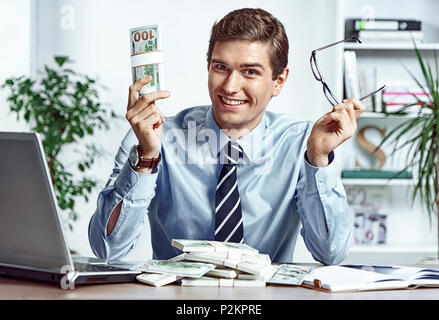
x,y
420,134
64,108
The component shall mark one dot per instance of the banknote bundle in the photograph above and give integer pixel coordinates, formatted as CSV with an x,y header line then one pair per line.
x,y
218,264
147,57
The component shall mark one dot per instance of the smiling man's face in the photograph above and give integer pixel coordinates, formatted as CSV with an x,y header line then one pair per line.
x,y
241,84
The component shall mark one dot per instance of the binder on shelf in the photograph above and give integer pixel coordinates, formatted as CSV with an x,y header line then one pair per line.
x,y
375,174
358,24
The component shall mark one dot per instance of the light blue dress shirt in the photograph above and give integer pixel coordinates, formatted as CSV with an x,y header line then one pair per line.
x,y
279,191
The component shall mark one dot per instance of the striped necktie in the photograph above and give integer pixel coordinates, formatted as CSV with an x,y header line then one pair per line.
x,y
228,215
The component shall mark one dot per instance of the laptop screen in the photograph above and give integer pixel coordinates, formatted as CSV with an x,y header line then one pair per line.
x,y
30,230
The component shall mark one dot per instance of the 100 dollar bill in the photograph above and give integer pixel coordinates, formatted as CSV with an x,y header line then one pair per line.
x,y
146,57
177,268
290,274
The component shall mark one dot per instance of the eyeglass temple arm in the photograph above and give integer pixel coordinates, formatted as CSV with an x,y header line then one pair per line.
x,y
372,93
335,43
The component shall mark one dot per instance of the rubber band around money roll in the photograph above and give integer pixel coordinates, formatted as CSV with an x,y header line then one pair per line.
x,y
146,58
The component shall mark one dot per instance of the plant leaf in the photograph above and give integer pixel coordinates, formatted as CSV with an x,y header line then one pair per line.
x,y
60,60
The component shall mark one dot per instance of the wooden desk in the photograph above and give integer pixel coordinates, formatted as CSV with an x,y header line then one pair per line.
x,y
14,289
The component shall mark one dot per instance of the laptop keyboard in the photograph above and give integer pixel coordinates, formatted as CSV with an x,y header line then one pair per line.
x,y
85,267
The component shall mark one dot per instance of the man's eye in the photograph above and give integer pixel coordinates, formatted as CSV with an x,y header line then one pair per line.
x,y
251,72
221,67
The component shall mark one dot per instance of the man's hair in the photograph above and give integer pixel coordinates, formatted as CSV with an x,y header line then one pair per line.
x,y
253,25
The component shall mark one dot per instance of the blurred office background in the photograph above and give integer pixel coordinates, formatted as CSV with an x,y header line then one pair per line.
x,y
94,34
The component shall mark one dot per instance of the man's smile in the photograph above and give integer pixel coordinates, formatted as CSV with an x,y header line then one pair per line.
x,y
232,103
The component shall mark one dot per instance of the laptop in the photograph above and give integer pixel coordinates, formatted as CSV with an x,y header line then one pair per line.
x,y
32,242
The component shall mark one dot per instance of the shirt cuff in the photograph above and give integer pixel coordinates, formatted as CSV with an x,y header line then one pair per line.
x,y
134,185
323,179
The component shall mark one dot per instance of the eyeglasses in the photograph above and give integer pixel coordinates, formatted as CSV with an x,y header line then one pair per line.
x,y
317,74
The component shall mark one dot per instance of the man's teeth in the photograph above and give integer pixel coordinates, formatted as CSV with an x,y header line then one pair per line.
x,y
233,102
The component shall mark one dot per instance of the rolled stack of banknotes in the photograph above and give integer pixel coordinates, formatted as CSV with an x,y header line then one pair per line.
x,y
218,264
147,57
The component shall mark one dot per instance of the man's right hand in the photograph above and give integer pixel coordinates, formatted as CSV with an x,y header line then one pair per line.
x,y
145,118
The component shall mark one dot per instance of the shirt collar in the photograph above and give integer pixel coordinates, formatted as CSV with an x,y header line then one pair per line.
x,y
251,143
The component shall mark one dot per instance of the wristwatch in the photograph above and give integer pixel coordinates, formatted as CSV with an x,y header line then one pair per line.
x,y
137,161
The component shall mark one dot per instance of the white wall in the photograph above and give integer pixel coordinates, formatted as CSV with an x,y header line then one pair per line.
x,y
95,35
15,37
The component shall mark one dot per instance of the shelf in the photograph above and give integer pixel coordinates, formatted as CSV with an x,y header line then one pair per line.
x,y
377,182
430,249
380,115
391,46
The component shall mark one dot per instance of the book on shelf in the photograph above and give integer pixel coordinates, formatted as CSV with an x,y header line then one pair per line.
x,y
405,95
350,278
358,24
352,85
375,174
411,109
359,80
405,99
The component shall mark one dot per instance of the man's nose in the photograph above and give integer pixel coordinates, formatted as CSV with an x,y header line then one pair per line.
x,y
232,83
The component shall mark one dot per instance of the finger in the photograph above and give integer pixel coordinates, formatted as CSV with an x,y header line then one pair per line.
x,y
359,106
145,113
152,121
155,109
335,116
342,121
140,83
161,115
145,101
349,106
133,93
156,95
340,116
344,108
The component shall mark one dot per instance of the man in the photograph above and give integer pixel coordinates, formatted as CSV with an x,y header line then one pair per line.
x,y
231,171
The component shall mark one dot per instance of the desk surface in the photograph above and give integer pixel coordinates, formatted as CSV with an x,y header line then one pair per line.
x,y
22,289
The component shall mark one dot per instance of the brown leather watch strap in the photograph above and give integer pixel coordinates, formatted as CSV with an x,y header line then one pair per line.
x,y
149,163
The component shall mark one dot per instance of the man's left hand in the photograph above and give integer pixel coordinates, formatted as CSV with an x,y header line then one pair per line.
x,y
332,130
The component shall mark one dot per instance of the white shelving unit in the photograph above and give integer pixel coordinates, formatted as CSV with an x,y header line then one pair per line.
x,y
378,182
392,248
391,46
380,115
409,233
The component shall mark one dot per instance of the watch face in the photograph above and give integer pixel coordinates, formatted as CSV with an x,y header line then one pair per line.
x,y
133,157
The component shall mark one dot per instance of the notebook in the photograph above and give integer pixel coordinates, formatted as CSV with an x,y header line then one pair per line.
x,y
364,278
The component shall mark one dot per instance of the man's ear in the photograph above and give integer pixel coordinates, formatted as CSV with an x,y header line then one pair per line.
x,y
208,66
280,81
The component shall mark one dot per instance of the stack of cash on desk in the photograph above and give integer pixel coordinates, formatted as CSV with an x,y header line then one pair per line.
x,y
213,263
